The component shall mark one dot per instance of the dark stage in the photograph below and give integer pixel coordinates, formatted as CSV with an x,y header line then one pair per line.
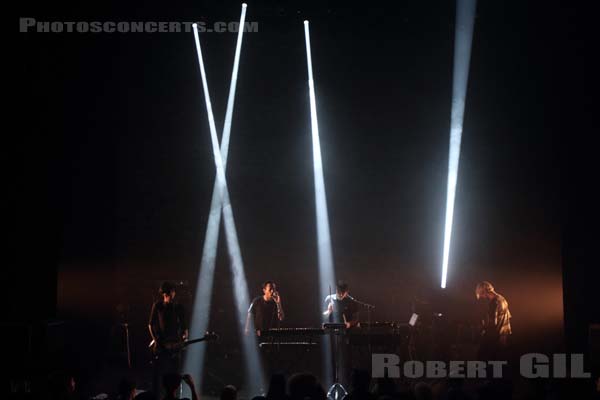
x,y
117,172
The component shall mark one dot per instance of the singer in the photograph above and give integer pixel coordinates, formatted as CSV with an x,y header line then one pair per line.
x,y
265,311
341,307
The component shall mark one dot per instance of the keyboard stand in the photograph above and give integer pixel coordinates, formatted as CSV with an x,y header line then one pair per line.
x,y
336,333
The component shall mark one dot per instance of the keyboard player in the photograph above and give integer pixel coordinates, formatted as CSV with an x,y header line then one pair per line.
x,y
265,311
341,307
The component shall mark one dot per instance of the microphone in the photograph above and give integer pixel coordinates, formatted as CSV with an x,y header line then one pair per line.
x,y
275,293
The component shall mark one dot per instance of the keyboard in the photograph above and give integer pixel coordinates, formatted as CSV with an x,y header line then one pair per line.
x,y
287,332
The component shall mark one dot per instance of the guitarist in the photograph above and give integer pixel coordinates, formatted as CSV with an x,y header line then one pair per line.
x,y
167,326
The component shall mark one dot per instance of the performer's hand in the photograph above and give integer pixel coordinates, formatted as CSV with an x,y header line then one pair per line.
x,y
276,297
503,340
257,333
329,309
185,335
187,378
348,325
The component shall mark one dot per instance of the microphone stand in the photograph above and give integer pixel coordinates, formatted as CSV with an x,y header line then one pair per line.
x,y
369,307
369,330
337,390
333,340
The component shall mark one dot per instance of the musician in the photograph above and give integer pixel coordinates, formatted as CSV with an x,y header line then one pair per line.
x,y
167,318
496,324
341,307
167,324
266,310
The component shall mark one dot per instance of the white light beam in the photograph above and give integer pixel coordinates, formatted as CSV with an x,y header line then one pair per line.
x,y
237,265
325,254
322,216
194,360
465,17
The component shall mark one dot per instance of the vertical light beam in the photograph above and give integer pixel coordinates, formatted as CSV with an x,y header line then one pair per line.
x,y
194,359
465,17
322,217
325,256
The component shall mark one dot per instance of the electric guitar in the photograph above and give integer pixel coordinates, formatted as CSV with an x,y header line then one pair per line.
x,y
172,348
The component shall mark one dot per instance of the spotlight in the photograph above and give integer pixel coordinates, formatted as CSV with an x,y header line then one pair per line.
x,y
325,253
221,203
465,16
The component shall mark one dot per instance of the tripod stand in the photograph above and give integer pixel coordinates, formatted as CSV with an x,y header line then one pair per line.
x,y
337,390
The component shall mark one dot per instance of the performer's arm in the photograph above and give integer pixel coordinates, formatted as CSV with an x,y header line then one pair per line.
x,y
498,310
280,313
248,317
152,321
352,322
183,321
151,333
329,306
247,327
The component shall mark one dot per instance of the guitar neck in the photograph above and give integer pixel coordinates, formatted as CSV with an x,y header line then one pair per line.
x,y
194,341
